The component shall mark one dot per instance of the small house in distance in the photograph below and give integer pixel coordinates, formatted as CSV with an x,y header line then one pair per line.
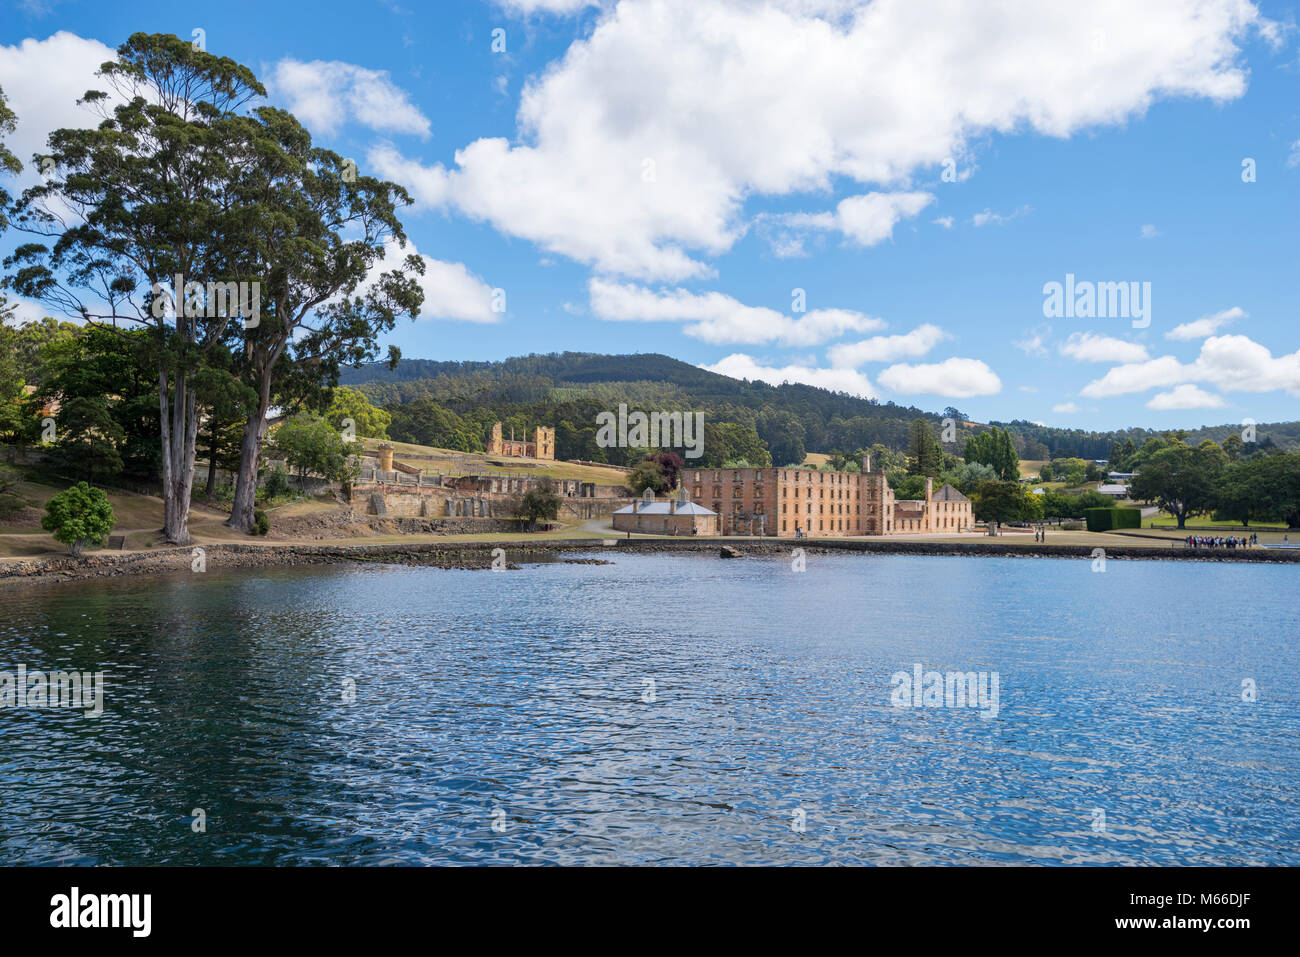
x,y
676,516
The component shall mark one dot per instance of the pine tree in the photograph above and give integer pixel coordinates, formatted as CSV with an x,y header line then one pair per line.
x,y
925,455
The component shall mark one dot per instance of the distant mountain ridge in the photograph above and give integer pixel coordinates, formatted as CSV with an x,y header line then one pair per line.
x,y
546,389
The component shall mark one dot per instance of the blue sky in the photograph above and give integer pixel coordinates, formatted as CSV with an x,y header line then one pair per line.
x,y
663,175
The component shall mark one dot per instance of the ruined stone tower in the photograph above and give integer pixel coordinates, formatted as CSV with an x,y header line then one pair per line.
x,y
543,443
541,447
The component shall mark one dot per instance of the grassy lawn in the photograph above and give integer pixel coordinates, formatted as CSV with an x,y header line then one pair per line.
x,y
1202,521
445,460
139,519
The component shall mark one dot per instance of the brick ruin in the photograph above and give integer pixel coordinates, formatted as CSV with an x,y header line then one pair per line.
x,y
390,487
541,447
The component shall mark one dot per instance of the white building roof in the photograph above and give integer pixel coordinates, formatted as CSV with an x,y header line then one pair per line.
x,y
664,508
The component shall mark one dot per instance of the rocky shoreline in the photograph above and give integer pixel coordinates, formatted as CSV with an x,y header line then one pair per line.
x,y
478,555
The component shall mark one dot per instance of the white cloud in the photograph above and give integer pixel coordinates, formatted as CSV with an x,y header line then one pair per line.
x,y
1136,377
1092,347
1035,342
944,221
1230,363
1149,232
1205,326
867,219
428,185
638,150
953,378
718,318
1066,408
918,342
451,291
990,218
29,310
1185,397
42,81
1294,158
740,366
326,95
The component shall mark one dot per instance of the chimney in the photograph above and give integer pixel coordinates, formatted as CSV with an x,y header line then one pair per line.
x,y
866,463
636,502
672,506
929,487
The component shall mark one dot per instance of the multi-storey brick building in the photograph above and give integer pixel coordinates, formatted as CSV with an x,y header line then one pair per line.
x,y
791,502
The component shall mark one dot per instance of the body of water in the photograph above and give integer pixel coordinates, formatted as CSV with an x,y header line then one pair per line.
x,y
663,709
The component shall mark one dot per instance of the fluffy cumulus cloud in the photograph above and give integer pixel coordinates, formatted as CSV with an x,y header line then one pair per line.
x,y
953,378
1092,347
42,81
718,318
1205,326
1185,397
909,345
1229,363
325,95
741,366
867,219
451,291
639,149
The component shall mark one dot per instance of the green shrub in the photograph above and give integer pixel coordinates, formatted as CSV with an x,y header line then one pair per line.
x,y
79,516
1106,519
277,482
261,524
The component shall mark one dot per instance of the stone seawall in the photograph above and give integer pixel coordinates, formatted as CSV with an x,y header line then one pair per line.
x,y
478,555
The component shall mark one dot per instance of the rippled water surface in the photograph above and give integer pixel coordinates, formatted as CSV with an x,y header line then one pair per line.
x,y
520,699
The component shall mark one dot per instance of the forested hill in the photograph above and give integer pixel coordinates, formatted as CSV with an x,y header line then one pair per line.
x,y
575,370
453,404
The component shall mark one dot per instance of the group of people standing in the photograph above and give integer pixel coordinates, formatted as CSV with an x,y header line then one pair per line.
x,y
1231,541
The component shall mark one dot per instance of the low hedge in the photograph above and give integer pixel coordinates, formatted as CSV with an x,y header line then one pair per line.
x,y
1106,519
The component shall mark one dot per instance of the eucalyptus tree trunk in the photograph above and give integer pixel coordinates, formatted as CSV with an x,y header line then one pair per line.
x,y
250,459
179,421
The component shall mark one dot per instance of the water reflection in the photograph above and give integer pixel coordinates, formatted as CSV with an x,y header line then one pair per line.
x,y
662,709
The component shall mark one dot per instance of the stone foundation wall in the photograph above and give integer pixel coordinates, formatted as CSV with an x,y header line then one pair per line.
x,y
403,502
